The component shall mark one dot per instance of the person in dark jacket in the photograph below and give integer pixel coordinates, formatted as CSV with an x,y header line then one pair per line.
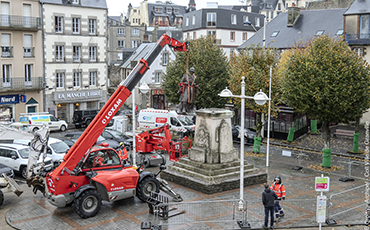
x,y
268,200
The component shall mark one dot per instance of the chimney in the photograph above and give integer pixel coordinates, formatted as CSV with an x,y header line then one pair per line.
x,y
121,19
293,15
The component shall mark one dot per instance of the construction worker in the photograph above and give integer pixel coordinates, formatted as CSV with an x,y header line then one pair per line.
x,y
278,187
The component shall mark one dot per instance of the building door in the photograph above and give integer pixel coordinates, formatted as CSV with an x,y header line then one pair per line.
x,y
158,102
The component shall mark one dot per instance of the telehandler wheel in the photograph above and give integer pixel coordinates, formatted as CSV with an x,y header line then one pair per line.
x,y
88,203
147,185
1,197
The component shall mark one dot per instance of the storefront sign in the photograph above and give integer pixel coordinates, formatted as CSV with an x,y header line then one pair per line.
x,y
9,99
77,95
157,92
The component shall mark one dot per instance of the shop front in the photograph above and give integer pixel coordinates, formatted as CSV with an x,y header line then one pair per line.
x,y
158,100
69,101
12,105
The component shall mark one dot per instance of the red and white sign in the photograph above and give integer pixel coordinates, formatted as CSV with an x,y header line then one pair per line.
x,y
161,120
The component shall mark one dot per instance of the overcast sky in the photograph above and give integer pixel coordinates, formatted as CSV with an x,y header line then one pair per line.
x,y
116,7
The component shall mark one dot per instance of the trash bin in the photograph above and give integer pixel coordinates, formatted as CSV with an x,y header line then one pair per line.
x,y
313,126
291,134
326,158
257,144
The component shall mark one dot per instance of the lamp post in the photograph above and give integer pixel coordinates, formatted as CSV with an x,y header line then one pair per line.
x,y
144,88
269,111
260,98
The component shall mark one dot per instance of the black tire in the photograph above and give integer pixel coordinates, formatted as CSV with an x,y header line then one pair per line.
x,y
146,163
88,204
1,197
76,118
88,122
63,128
23,171
147,185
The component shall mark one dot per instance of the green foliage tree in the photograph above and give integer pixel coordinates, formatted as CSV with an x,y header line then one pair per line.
x,y
328,82
210,65
254,64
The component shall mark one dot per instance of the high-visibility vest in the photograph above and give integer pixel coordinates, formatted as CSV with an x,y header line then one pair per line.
x,y
279,189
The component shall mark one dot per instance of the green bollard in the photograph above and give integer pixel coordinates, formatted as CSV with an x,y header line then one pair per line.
x,y
313,126
257,145
355,142
291,134
326,158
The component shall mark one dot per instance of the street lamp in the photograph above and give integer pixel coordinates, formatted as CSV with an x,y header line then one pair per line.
x,y
144,88
260,98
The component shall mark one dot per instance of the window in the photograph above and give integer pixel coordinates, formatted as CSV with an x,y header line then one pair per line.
x,y
245,19
364,26
58,24
76,53
279,6
27,46
258,22
76,79
92,26
272,14
233,19
92,79
28,74
232,36
193,20
169,10
245,36
59,53
194,35
339,33
121,43
75,25
6,49
165,59
60,80
119,56
92,53
319,32
121,31
135,32
75,1
157,77
187,21
135,43
7,74
176,11
158,10
212,33
211,19
359,51
274,34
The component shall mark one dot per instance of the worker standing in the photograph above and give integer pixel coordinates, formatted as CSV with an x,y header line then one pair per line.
x,y
279,188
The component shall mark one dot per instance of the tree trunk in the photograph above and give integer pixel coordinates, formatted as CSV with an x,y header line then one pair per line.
x,y
326,135
357,125
258,125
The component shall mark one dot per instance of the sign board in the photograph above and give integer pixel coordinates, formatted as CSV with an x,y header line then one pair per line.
x,y
287,153
322,184
321,209
23,98
9,99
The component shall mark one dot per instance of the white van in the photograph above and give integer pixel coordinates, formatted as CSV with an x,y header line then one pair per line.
x,y
153,118
41,118
118,123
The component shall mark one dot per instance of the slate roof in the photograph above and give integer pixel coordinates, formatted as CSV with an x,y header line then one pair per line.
x,y
139,53
83,3
164,6
309,22
358,7
268,4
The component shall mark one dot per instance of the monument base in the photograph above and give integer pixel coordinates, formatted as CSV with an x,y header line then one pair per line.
x,y
212,178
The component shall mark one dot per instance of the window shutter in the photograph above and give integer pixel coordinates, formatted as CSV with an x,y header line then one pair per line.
x,y
27,40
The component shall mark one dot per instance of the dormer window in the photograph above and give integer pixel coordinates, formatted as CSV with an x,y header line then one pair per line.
x,y
176,11
169,10
275,33
158,10
319,32
339,32
75,1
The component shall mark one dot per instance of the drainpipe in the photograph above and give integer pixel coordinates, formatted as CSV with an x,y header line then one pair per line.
x,y
43,55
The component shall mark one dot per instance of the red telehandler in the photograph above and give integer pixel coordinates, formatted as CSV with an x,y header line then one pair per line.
x,y
90,174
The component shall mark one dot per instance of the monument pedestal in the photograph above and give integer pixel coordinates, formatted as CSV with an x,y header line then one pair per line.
x,y
213,165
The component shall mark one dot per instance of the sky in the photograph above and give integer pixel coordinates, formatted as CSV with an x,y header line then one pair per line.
x,y
116,7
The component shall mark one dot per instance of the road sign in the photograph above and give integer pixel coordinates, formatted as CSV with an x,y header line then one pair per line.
x,y
322,184
321,209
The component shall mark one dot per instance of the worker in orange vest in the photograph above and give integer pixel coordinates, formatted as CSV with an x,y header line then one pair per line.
x,y
279,189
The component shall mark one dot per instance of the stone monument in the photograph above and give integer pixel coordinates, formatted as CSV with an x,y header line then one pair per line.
x,y
213,164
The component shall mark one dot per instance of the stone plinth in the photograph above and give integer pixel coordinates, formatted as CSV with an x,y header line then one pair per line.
x,y
213,165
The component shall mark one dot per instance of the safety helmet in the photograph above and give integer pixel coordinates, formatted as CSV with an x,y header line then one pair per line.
x,y
192,69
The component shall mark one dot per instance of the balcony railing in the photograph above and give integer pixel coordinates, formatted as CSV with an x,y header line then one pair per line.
x,y
19,83
7,51
14,21
358,39
29,52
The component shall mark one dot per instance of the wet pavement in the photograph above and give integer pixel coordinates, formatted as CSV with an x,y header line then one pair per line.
x,y
215,211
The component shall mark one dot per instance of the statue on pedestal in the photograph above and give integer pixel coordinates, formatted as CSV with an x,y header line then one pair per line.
x,y
188,89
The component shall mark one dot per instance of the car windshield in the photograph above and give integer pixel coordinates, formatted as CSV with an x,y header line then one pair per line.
x,y
111,123
100,138
117,134
59,147
185,120
24,153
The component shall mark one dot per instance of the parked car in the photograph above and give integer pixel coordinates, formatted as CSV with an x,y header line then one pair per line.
x,y
7,170
16,157
83,118
73,136
248,134
111,134
43,118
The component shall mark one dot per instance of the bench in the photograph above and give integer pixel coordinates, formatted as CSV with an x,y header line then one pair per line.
x,y
343,132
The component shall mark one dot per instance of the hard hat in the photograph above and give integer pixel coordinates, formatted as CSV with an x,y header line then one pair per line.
x,y
192,69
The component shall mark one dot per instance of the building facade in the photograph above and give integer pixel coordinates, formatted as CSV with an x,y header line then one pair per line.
x,y
75,50
21,60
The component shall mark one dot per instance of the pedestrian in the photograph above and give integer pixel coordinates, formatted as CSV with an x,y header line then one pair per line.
x,y
278,187
268,199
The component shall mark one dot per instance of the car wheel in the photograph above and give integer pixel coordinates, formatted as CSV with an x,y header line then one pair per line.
x,y
63,128
145,187
88,122
88,204
24,172
1,197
